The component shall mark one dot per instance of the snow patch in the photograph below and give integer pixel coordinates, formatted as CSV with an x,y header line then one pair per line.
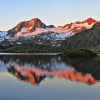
x,y
3,36
23,28
62,36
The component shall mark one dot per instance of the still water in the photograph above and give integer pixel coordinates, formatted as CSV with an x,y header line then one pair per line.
x,y
24,77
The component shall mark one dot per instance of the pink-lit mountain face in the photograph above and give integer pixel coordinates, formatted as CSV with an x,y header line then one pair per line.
x,y
32,25
35,26
35,31
27,27
78,26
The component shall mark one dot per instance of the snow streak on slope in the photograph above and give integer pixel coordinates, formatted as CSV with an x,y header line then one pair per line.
x,y
25,32
55,33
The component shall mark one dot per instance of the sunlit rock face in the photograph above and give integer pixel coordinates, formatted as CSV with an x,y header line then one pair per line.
x,y
36,26
77,26
26,26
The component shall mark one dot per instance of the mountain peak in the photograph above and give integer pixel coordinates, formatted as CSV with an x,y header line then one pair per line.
x,y
90,21
90,18
30,26
35,19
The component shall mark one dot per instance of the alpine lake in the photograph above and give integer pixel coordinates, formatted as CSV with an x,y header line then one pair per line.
x,y
49,77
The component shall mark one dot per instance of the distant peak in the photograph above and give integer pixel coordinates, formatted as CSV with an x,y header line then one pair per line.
x,y
90,19
35,19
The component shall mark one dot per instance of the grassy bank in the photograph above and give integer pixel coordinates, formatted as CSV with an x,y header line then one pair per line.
x,y
77,53
31,48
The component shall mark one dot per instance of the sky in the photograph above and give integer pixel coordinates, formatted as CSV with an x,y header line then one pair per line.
x,y
56,12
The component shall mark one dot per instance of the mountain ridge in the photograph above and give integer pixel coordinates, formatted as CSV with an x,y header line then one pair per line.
x,y
79,26
36,26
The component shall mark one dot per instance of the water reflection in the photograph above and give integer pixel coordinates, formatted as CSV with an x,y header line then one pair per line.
x,y
34,69
35,75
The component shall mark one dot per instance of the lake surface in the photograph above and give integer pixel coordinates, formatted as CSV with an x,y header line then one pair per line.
x,y
35,77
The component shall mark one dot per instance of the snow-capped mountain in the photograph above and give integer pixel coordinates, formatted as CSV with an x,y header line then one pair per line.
x,y
35,27
36,31
28,28
78,26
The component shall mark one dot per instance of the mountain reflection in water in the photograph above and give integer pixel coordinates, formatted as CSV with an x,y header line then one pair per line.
x,y
35,75
34,69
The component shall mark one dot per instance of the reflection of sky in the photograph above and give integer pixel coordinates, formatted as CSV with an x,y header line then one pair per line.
x,y
2,66
55,89
53,64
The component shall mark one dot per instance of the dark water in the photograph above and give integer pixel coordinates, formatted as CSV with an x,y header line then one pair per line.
x,y
49,78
